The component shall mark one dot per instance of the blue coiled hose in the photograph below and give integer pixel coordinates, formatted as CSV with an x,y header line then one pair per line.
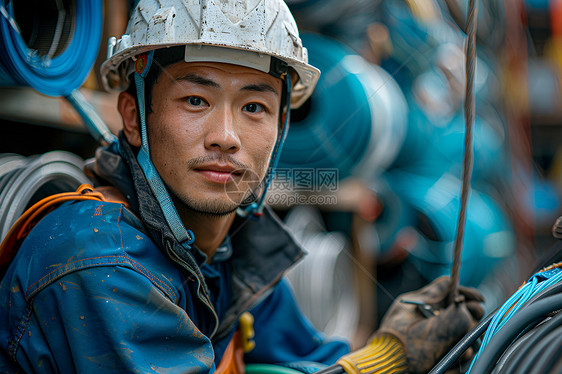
x,y
51,75
336,130
489,235
353,107
78,27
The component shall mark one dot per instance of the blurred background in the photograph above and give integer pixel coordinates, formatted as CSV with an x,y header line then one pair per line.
x,y
370,176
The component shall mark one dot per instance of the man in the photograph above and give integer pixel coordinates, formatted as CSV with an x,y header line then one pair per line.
x,y
158,283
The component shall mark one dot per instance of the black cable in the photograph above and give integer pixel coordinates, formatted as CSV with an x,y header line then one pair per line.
x,y
532,347
557,368
511,357
456,352
541,355
552,358
469,339
514,355
523,318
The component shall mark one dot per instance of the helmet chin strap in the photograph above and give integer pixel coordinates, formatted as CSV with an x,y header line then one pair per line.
x,y
183,236
255,209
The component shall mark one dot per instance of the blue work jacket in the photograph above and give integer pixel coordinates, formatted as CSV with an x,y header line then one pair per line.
x,y
99,287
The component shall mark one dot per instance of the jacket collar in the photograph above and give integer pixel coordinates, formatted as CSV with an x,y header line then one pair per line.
x,y
262,249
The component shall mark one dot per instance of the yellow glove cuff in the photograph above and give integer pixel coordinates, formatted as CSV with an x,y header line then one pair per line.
x,y
383,354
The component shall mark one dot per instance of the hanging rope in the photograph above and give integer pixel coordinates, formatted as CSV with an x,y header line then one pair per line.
x,y
469,111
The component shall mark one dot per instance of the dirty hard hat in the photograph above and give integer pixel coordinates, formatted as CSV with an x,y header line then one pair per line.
x,y
254,33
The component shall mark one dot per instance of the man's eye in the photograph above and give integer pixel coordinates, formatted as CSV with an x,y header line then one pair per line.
x,y
195,101
253,108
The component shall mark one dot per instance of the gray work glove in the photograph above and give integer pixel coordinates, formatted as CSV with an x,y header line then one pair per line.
x,y
427,339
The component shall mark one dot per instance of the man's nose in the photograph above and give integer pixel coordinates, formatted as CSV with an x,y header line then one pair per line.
x,y
223,132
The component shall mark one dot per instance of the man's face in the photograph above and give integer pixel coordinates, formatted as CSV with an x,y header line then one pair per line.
x,y
212,131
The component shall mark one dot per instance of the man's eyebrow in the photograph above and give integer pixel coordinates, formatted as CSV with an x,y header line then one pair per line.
x,y
262,87
197,79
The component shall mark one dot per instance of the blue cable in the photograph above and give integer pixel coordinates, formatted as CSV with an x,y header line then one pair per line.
x,y
534,285
57,76
62,74
336,130
94,123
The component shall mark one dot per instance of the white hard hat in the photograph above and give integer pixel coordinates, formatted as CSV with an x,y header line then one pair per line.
x,y
241,32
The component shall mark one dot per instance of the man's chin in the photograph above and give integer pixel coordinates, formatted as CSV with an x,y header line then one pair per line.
x,y
214,211
212,208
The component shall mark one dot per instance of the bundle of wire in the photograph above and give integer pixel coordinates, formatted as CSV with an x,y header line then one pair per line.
x,y
26,180
510,308
522,335
49,46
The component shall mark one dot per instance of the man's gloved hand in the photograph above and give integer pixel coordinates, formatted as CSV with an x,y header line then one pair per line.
x,y
417,330
426,339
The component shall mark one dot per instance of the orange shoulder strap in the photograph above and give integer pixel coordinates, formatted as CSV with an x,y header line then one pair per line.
x,y
30,218
232,361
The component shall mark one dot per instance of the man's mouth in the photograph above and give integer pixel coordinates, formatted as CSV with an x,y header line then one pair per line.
x,y
217,173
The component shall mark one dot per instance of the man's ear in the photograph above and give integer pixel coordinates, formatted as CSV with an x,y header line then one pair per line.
x,y
127,107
